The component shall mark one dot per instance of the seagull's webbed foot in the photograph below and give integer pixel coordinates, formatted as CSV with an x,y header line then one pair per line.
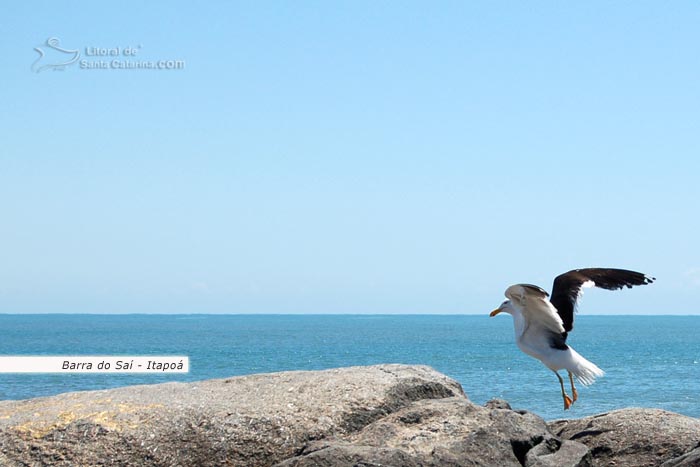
x,y
567,401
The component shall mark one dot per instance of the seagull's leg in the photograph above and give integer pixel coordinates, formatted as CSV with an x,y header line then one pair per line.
x,y
573,388
567,399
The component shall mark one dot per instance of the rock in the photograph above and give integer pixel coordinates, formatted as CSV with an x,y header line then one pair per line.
x,y
497,404
247,421
445,432
691,459
388,415
558,453
639,437
343,454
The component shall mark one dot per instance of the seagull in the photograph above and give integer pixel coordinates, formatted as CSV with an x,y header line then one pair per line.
x,y
542,324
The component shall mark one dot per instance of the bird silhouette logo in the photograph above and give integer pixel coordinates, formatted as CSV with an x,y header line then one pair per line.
x,y
53,57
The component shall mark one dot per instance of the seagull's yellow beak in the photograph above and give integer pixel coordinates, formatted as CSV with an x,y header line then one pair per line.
x,y
495,312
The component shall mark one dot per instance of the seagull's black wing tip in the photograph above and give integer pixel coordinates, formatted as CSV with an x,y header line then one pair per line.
x,y
646,280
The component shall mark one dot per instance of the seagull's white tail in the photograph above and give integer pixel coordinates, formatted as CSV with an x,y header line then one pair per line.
x,y
586,372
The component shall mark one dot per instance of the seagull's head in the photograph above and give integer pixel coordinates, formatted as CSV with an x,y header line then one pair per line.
x,y
506,307
516,299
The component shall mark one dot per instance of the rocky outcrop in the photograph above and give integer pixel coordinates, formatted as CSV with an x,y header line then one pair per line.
x,y
389,415
447,432
639,437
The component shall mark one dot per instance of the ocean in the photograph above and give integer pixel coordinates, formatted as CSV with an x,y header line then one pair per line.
x,y
650,361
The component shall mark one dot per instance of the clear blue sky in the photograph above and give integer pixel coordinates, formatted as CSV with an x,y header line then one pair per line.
x,y
348,157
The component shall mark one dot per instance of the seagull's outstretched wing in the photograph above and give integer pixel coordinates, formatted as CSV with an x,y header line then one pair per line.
x,y
567,287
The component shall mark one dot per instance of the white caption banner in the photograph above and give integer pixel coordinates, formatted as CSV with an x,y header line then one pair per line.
x,y
95,364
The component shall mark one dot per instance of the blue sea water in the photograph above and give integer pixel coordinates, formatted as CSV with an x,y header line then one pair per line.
x,y
650,361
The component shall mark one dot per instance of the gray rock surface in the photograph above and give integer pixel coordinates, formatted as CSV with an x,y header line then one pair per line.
x,y
246,421
690,459
639,437
388,415
447,432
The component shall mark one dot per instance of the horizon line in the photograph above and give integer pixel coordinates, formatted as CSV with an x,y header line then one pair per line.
x,y
310,314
